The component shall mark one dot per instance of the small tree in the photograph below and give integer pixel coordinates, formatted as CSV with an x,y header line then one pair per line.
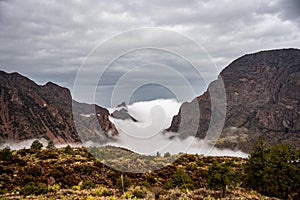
x,y
5,154
167,155
123,183
182,180
50,145
256,166
36,145
274,170
68,150
220,176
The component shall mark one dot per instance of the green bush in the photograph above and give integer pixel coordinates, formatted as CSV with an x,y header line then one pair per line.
x,y
144,184
274,170
139,193
47,154
50,145
123,183
167,155
104,192
36,145
33,188
5,154
54,188
68,150
220,176
88,185
181,180
34,170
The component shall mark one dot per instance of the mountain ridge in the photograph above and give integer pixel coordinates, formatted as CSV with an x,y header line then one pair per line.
x,y
263,99
32,111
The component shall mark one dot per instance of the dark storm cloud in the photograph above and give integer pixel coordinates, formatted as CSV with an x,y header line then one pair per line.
x,y
48,40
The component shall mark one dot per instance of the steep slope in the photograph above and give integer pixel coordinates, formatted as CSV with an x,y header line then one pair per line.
x,y
263,98
31,111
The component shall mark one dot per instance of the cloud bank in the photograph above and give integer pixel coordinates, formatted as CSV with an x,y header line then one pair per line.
x,y
146,136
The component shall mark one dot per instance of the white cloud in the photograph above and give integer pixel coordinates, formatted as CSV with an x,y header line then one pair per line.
x,y
146,136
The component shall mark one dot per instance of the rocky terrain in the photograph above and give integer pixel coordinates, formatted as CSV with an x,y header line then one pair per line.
x,y
263,98
30,111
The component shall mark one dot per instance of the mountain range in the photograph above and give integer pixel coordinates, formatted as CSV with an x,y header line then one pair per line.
x,y
30,111
262,99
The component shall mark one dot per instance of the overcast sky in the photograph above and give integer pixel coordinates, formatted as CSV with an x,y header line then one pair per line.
x,y
48,40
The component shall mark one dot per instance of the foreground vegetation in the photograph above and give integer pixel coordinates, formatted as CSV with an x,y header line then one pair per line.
x,y
107,173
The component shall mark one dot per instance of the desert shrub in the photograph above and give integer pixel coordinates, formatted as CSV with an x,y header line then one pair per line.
x,y
5,177
20,162
34,170
181,180
22,152
68,150
220,176
139,193
50,145
101,192
33,188
36,145
127,195
27,179
2,191
88,185
54,188
167,155
83,168
46,154
151,179
7,169
57,172
144,184
123,183
5,154
105,192
70,180
98,164
90,198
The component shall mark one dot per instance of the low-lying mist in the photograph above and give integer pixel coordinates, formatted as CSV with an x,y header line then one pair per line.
x,y
147,136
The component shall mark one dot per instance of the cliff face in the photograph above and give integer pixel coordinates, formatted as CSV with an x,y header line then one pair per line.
x,y
30,111
263,98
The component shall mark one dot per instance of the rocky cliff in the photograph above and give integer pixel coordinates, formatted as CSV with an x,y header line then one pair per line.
x,y
30,111
263,98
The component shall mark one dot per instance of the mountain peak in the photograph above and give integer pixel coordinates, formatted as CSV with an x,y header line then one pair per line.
x,y
263,99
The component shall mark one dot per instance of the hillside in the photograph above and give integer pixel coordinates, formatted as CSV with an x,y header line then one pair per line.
x,y
74,173
31,111
263,99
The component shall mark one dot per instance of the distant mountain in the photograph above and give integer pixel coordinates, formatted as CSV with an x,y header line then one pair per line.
x,y
30,111
122,112
263,98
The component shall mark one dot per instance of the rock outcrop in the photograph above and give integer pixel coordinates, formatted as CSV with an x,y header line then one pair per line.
x,y
122,114
31,111
263,99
